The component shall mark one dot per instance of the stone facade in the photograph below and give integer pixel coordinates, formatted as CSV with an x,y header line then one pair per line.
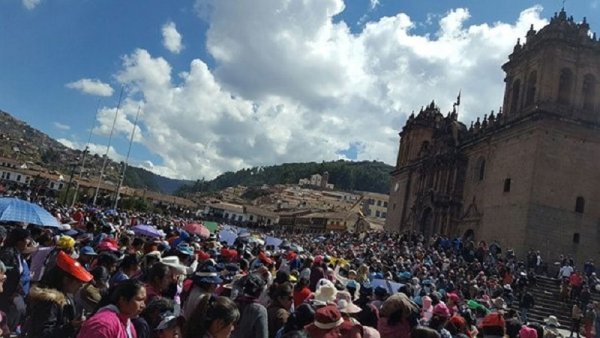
x,y
528,176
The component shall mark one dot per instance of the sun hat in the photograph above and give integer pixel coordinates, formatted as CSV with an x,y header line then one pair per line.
x,y
344,303
88,250
173,262
72,267
185,249
527,332
440,309
326,293
552,321
167,320
207,275
397,302
327,320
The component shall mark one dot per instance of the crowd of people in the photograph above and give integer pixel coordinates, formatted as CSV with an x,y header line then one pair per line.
x,y
96,278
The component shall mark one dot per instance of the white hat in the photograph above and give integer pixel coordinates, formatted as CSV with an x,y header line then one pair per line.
x,y
552,321
173,262
326,293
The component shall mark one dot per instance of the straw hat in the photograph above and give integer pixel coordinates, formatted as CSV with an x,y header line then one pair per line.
x,y
326,293
344,303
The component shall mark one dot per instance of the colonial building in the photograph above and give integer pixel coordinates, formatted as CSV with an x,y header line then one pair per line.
x,y
528,176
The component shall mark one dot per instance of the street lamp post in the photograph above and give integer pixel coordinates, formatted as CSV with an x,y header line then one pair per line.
x,y
73,166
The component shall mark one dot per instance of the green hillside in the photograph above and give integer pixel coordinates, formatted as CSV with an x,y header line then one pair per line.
x,y
345,175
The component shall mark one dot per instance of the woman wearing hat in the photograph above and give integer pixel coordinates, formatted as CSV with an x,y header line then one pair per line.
x,y
203,282
124,302
253,315
398,317
51,310
330,324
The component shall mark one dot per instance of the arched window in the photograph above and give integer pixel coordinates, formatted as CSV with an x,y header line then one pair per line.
x,y
507,185
580,205
480,169
564,86
516,90
589,91
530,95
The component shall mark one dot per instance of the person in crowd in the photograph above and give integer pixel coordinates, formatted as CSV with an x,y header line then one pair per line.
x,y
168,327
152,315
128,269
158,279
526,303
424,332
213,317
301,291
90,295
551,328
576,317
16,287
302,316
125,301
204,282
278,312
52,312
253,315
441,315
329,323
398,316
87,255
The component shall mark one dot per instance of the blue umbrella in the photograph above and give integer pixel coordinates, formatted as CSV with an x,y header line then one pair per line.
x,y
16,210
147,230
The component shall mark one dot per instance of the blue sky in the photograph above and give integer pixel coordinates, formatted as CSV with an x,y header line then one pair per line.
x,y
254,82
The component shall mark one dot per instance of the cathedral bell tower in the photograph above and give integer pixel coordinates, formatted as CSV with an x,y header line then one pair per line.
x,y
556,71
416,136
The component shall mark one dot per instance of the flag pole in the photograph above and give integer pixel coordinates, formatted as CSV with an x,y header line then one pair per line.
x,y
127,158
107,148
83,157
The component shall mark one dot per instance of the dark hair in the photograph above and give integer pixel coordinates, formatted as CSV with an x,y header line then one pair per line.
x,y
302,316
368,316
280,290
129,261
126,290
296,334
302,283
155,308
54,277
107,258
16,235
424,332
157,271
137,241
253,285
209,309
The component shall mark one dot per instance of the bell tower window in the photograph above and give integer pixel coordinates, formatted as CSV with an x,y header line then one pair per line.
x,y
530,95
516,90
589,91
565,83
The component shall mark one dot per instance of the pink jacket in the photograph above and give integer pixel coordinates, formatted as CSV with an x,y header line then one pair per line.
x,y
107,323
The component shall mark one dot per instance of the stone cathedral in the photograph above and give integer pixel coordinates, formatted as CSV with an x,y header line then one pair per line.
x,y
527,176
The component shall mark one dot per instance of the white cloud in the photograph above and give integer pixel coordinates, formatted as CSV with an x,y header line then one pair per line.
x,y
595,4
285,89
171,38
373,3
31,4
91,87
99,149
61,126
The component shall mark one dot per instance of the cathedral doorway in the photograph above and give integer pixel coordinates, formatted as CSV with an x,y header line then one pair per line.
x,y
426,223
469,235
